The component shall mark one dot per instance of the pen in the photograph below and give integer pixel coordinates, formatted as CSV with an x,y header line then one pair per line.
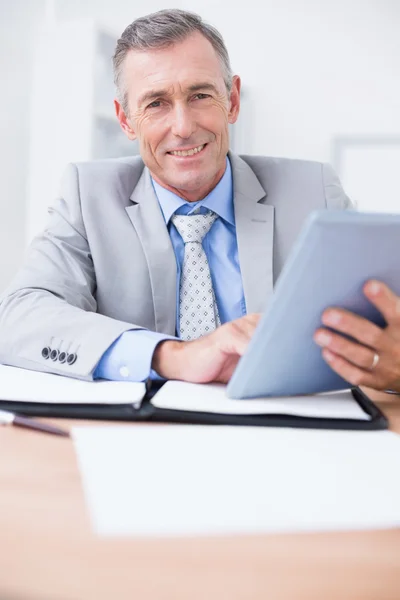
x,y
10,418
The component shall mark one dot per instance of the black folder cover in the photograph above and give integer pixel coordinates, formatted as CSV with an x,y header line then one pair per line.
x,y
147,412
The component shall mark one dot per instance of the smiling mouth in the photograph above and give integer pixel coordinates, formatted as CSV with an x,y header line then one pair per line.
x,y
190,152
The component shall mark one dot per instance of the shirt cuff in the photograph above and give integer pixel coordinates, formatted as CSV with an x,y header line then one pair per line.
x,y
129,357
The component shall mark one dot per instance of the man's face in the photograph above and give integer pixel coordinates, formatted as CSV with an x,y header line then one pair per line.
x,y
179,110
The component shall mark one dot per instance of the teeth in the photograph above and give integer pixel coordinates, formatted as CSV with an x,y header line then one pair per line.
x,y
188,152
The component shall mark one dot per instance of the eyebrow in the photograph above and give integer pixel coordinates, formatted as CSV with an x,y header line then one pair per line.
x,y
202,86
149,96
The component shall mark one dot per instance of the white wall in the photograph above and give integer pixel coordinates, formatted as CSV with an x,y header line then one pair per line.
x,y
17,21
312,70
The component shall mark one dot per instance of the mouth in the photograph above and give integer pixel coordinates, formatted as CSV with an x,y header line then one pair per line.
x,y
188,152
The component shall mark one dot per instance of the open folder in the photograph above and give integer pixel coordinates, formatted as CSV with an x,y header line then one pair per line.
x,y
47,395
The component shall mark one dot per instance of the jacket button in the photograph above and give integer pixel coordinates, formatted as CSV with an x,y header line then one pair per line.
x,y
62,357
71,358
54,354
46,352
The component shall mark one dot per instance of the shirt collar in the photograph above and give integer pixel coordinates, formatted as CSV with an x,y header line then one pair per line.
x,y
219,200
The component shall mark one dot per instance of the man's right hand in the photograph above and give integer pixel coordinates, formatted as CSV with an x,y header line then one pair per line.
x,y
212,357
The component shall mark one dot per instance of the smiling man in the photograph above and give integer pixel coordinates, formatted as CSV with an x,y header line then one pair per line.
x,y
161,264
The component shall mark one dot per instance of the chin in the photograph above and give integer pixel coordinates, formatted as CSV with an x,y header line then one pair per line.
x,y
192,181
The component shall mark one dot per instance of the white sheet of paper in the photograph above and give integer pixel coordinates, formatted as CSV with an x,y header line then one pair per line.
x,y
212,398
33,386
167,480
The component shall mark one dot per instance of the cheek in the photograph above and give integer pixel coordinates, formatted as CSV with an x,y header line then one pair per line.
x,y
216,124
149,135
217,119
152,132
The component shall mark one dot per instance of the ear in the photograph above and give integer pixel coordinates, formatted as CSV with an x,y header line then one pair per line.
x,y
124,121
234,100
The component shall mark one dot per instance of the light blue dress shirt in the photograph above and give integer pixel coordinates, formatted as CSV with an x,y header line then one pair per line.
x,y
129,357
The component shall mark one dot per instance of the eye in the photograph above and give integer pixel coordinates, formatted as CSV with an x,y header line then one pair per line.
x,y
155,104
202,96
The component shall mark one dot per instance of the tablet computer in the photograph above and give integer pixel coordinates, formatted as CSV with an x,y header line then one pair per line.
x,y
333,257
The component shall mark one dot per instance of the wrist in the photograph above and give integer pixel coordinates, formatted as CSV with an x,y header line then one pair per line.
x,y
166,359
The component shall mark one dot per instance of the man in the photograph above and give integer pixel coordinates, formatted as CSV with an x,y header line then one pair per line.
x,y
185,242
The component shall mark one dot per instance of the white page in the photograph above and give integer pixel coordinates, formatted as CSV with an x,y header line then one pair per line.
x,y
212,398
33,386
169,480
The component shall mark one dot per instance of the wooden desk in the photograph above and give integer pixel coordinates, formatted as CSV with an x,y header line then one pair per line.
x,y
47,550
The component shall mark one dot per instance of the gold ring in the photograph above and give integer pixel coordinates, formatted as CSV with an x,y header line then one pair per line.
x,y
375,361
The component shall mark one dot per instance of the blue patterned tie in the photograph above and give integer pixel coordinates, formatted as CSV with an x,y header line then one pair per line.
x,y
198,310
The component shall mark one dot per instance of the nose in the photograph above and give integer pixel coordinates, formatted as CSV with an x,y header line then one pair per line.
x,y
183,123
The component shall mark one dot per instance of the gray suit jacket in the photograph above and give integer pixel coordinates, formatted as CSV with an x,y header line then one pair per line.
x,y
105,263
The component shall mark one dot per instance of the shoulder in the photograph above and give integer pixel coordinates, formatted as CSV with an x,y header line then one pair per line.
x,y
110,166
276,167
114,173
307,178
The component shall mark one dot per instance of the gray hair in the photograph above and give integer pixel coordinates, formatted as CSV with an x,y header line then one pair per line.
x,y
160,30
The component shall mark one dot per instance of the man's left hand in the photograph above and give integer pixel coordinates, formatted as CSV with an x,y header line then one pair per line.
x,y
372,358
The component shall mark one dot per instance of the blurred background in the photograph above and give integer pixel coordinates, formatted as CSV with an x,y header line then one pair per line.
x,y
321,81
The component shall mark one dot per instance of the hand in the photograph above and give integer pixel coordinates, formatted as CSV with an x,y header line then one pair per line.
x,y
373,358
212,357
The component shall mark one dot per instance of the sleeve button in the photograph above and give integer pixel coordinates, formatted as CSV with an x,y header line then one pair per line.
x,y
71,358
54,354
46,352
62,357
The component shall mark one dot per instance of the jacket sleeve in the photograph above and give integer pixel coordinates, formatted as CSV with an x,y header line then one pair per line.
x,y
335,196
48,318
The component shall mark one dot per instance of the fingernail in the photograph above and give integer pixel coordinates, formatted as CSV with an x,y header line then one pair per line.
x,y
328,356
322,338
374,288
331,318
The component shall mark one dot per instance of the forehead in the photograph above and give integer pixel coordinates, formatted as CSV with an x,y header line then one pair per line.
x,y
180,64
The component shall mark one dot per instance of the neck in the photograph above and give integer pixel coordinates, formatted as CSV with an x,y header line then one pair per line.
x,y
192,196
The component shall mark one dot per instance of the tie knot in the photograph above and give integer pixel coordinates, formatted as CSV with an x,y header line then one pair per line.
x,y
193,228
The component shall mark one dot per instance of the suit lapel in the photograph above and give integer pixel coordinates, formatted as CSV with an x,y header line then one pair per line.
x,y
254,231
148,221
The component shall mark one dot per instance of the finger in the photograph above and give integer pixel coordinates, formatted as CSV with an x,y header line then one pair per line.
x,y
236,335
354,353
247,324
385,300
253,318
236,342
357,327
353,374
